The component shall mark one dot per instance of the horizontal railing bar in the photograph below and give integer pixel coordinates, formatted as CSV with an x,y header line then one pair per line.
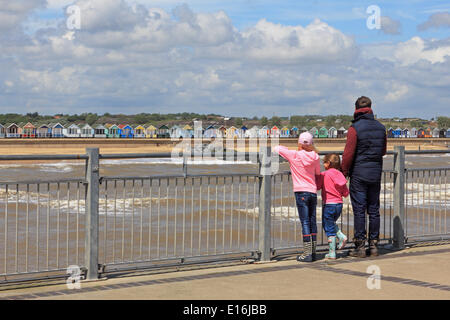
x,y
211,258
427,169
42,181
44,157
155,177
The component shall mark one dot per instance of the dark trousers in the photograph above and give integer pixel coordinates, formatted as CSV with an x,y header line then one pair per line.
x,y
306,205
365,197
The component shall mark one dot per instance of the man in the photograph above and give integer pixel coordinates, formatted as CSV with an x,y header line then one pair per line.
x,y
363,163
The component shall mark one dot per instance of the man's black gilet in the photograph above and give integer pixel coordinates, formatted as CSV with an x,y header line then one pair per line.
x,y
368,159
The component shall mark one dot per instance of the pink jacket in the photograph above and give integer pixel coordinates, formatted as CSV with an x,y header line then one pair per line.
x,y
305,168
334,186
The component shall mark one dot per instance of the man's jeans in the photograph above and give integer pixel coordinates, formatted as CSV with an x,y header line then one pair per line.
x,y
330,213
306,205
365,196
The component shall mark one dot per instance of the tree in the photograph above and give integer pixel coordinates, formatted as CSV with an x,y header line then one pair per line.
x,y
275,121
264,121
443,122
238,122
91,118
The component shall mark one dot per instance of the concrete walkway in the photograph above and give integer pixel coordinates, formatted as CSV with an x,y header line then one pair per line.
x,y
414,273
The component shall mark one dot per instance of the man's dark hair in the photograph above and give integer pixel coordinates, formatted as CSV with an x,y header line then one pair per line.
x,y
363,102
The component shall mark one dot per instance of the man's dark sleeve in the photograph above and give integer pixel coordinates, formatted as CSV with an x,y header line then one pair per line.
x,y
385,145
349,151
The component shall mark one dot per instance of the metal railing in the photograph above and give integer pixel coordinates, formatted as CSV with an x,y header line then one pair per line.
x,y
109,223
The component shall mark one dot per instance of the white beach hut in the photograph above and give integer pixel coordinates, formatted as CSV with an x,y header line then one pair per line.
x,y
73,131
100,131
87,131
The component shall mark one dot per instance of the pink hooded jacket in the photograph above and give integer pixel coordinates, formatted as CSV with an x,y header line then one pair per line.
x,y
305,168
334,186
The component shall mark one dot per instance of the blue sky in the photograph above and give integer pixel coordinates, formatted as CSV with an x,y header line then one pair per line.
x,y
231,57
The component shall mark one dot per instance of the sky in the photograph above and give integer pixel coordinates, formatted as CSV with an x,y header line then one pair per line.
x,y
235,58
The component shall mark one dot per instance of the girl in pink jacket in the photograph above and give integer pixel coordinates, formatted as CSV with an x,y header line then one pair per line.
x,y
334,187
305,170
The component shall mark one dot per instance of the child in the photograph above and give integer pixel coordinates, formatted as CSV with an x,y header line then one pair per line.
x,y
334,187
305,169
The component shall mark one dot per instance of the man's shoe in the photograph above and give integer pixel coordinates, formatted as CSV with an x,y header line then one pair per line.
x,y
359,251
373,248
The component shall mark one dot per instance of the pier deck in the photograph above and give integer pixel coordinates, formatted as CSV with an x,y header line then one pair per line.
x,y
418,272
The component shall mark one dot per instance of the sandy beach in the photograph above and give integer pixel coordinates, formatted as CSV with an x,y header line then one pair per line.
x,y
78,146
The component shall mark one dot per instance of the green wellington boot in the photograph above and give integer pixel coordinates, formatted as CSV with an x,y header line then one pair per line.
x,y
331,255
342,238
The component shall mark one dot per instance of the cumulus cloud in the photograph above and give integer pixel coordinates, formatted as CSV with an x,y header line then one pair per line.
x,y
13,13
152,60
390,26
436,20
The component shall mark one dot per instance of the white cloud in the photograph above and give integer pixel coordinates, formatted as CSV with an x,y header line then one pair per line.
x,y
162,61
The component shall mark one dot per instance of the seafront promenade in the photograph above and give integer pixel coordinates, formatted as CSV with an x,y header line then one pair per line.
x,y
417,272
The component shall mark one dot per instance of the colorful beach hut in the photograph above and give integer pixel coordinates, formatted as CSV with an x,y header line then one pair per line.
x,y
210,132
29,131
442,133
275,132
150,131
232,132
100,131
314,132
222,132
405,133
44,131
139,132
58,131
421,133
448,133
113,131
13,131
2,131
176,132
397,133
293,133
125,131
243,131
332,132
284,133
163,132
428,133
188,132
323,132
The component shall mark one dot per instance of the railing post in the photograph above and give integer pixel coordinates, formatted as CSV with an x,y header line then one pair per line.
x,y
92,218
399,197
265,197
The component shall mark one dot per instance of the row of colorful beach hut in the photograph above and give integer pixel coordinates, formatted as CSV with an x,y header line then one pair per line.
x,y
57,130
